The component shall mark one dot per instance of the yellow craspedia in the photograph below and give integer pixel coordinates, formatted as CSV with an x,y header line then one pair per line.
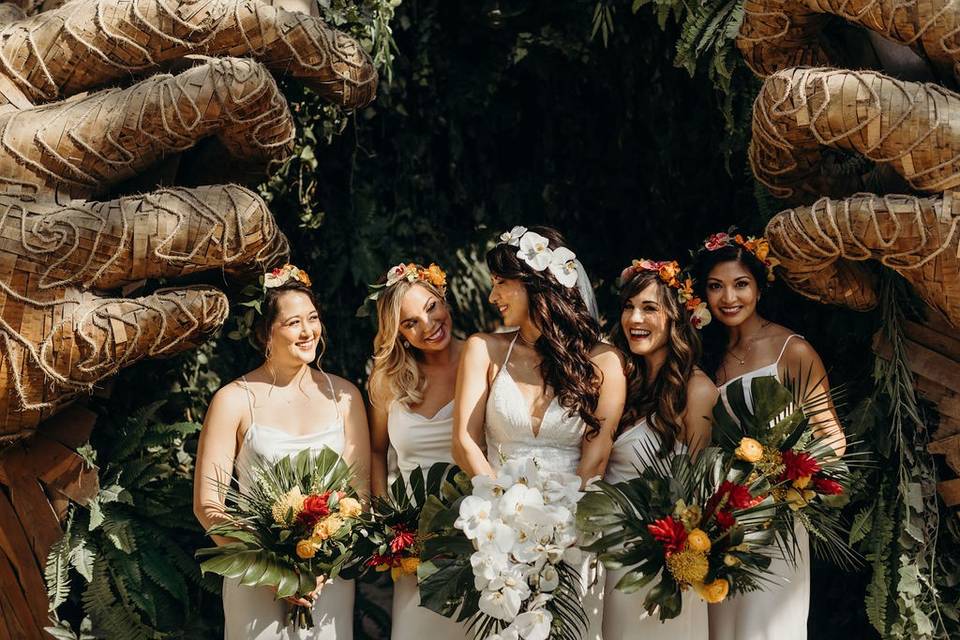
x,y
290,503
327,527
698,540
713,592
350,507
688,566
749,450
306,549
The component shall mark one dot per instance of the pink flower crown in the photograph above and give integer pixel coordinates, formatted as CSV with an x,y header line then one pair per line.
x,y
282,275
670,273
758,246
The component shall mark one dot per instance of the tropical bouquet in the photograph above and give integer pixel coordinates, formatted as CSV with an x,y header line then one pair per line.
x,y
393,536
500,553
775,442
680,524
298,519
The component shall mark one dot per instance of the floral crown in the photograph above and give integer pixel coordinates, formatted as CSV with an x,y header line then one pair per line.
x,y
411,272
671,274
255,294
758,246
534,249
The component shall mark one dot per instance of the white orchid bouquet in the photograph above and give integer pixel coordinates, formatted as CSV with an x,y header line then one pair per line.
x,y
503,556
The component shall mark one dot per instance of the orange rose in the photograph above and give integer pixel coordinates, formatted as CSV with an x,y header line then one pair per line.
x,y
306,549
713,592
749,450
436,276
698,540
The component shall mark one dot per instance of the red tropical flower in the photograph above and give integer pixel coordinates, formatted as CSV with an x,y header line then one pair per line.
x,y
725,520
798,464
827,486
738,496
315,508
402,539
670,532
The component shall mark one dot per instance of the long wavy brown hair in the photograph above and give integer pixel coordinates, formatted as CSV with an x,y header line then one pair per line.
x,y
567,330
663,399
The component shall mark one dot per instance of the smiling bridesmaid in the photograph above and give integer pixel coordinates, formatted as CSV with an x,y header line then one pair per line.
x,y
414,374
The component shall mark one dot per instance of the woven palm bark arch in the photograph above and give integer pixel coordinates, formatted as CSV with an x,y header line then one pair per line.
x,y
94,94
808,107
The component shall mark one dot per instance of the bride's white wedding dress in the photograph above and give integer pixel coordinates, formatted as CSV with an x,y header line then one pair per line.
x,y
419,442
556,447
624,617
779,611
255,613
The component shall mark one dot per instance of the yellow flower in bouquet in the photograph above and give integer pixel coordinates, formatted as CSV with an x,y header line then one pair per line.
x,y
327,527
688,566
798,498
350,507
749,450
698,540
288,506
306,549
408,567
802,482
713,592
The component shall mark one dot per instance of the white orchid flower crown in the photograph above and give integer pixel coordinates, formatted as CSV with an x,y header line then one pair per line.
x,y
535,250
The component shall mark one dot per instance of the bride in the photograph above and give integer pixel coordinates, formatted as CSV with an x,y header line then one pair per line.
x,y
550,391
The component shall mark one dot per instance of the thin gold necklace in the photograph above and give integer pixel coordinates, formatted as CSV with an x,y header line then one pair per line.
x,y
742,361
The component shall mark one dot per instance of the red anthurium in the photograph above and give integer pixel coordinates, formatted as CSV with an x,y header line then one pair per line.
x,y
402,538
827,486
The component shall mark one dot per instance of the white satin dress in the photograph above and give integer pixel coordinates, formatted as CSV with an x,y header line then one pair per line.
x,y
556,446
624,617
779,611
419,442
254,613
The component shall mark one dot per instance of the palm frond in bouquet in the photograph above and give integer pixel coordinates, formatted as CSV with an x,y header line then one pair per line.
x,y
393,538
680,524
776,443
499,553
298,519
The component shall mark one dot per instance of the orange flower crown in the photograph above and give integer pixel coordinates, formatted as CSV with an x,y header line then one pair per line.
x,y
758,246
670,273
409,271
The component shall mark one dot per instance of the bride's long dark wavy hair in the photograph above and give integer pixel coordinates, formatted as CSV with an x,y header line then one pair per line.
x,y
567,330
662,400
715,334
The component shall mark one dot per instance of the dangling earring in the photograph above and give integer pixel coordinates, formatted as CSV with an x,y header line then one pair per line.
x,y
406,345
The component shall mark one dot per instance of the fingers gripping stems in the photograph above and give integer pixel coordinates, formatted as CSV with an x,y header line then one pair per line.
x,y
822,248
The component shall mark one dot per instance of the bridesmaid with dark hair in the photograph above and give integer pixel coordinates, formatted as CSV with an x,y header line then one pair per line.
x,y
732,274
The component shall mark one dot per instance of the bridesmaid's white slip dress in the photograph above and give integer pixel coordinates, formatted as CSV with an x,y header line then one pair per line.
x,y
779,611
624,617
556,447
254,613
419,442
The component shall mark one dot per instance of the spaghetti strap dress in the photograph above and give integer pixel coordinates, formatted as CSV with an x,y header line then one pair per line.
x,y
779,611
254,613
555,446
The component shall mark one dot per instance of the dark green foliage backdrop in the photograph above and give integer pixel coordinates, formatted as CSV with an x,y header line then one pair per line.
x,y
505,113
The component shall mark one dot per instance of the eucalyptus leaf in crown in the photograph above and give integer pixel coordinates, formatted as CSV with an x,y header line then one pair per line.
x,y
681,524
776,441
298,519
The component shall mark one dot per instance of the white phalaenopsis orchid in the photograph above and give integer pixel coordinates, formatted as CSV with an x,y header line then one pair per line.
x,y
534,625
522,524
535,251
563,266
513,236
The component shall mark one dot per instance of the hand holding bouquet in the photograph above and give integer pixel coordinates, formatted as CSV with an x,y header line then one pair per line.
x,y
775,446
679,525
298,519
